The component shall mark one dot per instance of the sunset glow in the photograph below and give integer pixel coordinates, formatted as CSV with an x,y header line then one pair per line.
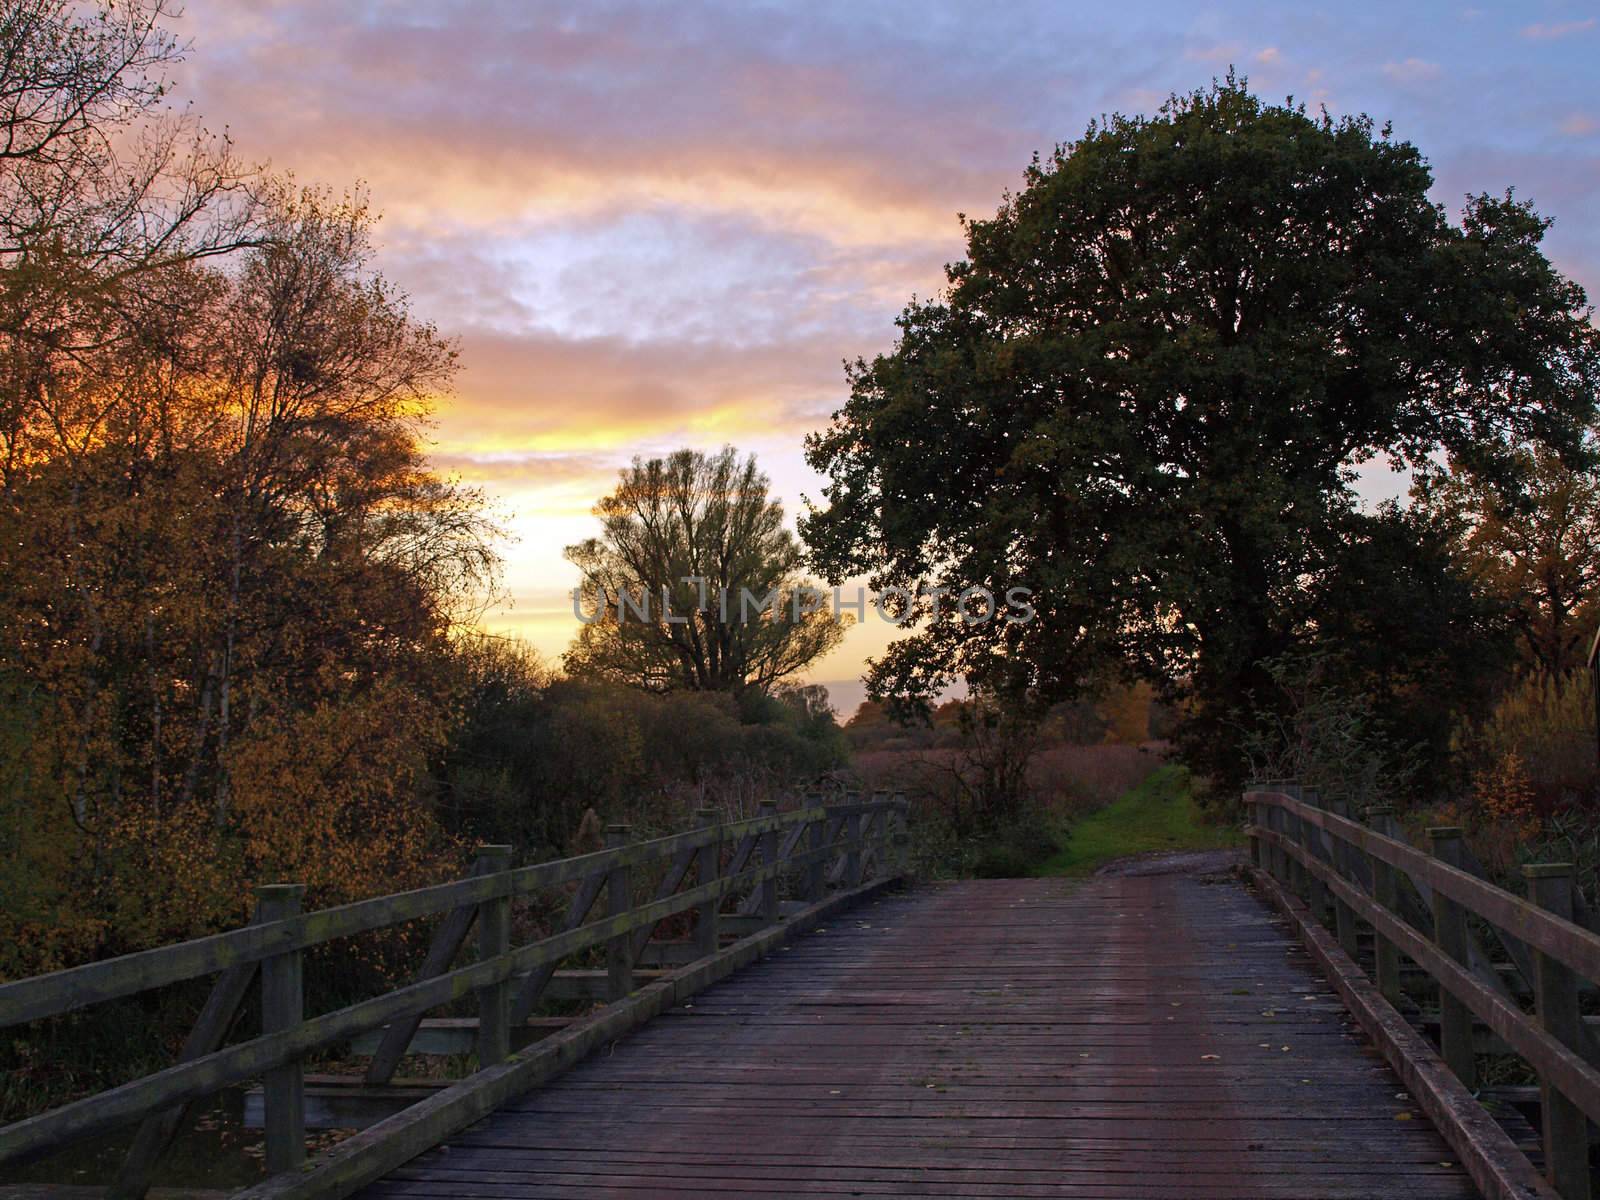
x,y
655,226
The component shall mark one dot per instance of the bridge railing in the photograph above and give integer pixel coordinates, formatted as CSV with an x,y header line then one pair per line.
x,y
1422,905
816,847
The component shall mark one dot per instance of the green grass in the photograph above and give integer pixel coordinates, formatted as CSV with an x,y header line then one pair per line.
x,y
1159,814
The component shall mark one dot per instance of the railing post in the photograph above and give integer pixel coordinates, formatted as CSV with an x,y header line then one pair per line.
x,y
902,834
1253,813
1344,917
1450,935
1310,843
817,839
852,848
619,902
494,939
282,1008
1566,1129
1386,891
769,859
708,870
880,834
1278,822
1270,814
1292,823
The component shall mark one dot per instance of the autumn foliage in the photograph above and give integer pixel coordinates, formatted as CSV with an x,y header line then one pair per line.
x,y
230,580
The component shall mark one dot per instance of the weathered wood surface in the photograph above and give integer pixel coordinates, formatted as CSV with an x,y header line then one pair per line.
x,y
1145,1037
1491,1153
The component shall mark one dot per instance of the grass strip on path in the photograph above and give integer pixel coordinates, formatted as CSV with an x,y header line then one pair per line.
x,y
1158,814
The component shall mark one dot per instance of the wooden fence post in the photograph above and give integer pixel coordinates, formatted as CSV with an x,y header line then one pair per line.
x,y
1297,872
1253,814
1278,822
619,900
852,850
885,837
283,1007
769,858
1310,845
1344,917
902,834
1269,852
1566,1129
817,839
1450,935
494,939
1386,891
709,870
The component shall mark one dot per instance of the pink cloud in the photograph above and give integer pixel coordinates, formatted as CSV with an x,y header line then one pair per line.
x,y
1544,33
1412,70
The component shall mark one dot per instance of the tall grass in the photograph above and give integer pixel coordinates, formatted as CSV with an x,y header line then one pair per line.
x,y
1065,780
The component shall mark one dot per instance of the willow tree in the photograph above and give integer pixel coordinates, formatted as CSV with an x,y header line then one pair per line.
x,y
1147,386
694,583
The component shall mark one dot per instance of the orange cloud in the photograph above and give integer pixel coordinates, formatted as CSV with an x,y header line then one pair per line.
x,y
539,393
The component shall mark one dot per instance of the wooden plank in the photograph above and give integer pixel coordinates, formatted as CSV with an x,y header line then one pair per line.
x,y
675,873
1385,891
619,902
767,906
447,1036
752,903
707,937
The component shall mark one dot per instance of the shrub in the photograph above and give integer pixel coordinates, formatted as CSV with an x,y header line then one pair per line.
x,y
1550,727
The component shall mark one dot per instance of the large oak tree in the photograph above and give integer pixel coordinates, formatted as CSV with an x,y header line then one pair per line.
x,y
1146,388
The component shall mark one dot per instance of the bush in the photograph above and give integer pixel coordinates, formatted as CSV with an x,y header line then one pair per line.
x,y
531,755
1327,736
1013,848
1549,727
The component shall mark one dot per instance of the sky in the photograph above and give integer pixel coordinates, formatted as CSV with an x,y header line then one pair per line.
x,y
657,225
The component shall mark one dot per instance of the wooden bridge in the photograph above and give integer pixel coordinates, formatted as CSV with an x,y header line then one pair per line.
x,y
1143,1035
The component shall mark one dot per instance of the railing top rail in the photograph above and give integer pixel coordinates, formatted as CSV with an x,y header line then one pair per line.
x,y
78,987
1563,940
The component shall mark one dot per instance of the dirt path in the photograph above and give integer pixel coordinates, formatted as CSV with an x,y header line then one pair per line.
x,y
1172,862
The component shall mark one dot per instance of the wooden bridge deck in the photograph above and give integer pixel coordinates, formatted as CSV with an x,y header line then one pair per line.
x,y
1140,1037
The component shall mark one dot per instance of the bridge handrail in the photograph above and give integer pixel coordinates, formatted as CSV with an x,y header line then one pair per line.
x,y
1553,1039
1565,940
112,978
840,831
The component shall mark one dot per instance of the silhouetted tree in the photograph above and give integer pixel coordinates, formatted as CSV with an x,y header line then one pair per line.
x,y
1150,380
702,533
